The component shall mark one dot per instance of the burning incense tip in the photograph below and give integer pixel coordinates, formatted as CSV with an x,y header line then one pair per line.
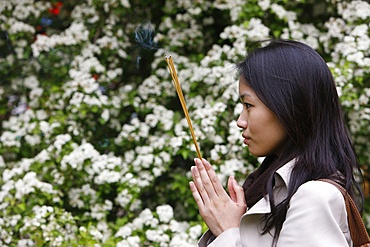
x,y
175,79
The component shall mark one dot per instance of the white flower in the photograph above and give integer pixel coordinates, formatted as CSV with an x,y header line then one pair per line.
x,y
108,42
10,139
195,11
76,158
41,114
96,233
195,232
19,27
107,177
125,3
74,34
25,243
132,241
157,236
31,82
144,161
176,226
257,30
76,99
60,140
165,213
33,139
98,211
75,195
152,120
2,163
105,115
335,27
124,198
145,178
278,10
146,215
26,185
124,231
230,167
264,4
356,57
354,10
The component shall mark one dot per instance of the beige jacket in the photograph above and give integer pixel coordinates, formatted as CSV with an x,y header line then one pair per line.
x,y
316,217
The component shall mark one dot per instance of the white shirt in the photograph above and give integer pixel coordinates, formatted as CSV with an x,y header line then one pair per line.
x,y
316,217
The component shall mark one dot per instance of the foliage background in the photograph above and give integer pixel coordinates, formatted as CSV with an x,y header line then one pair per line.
x,y
95,149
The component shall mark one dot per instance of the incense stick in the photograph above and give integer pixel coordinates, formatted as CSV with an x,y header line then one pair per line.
x,y
175,79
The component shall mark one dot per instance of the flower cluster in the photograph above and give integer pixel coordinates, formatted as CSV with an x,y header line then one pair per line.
x,y
158,227
94,146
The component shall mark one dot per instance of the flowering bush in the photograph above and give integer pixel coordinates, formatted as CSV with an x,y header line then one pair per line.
x,y
95,149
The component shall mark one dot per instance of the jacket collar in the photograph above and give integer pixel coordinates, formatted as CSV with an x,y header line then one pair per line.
x,y
282,178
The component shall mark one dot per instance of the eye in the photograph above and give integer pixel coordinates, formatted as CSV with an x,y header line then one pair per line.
x,y
247,105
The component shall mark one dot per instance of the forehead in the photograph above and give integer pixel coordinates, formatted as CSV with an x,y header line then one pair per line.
x,y
245,91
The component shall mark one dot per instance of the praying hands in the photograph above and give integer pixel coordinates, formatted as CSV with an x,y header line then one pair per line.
x,y
219,210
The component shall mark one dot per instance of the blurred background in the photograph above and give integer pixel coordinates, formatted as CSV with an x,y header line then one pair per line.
x,y
95,149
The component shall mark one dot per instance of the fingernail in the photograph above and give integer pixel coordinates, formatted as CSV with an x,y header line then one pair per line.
x,y
205,163
191,184
198,162
194,170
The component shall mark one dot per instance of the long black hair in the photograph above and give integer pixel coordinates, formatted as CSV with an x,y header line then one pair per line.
x,y
295,83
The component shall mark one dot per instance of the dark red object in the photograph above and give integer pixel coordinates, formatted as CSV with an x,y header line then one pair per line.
x,y
55,10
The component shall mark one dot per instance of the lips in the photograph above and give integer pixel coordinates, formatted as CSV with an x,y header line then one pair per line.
x,y
246,139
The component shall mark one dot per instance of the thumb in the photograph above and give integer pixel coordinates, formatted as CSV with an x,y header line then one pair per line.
x,y
230,187
239,192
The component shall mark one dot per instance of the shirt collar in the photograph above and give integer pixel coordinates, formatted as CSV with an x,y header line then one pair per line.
x,y
282,175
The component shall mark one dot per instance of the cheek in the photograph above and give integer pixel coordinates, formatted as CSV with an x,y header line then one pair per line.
x,y
258,124
267,134
275,137
266,144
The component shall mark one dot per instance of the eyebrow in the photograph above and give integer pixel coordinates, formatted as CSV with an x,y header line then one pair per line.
x,y
244,95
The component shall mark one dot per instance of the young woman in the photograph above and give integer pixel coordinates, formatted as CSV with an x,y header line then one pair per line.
x,y
292,116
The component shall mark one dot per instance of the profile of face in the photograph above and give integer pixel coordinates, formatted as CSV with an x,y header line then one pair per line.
x,y
262,132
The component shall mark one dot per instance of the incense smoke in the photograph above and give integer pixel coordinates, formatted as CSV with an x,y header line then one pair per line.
x,y
144,36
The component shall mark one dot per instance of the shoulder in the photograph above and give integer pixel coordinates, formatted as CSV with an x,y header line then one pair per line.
x,y
318,201
319,194
316,215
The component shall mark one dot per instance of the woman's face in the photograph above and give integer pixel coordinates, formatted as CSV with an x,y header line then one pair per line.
x,y
262,132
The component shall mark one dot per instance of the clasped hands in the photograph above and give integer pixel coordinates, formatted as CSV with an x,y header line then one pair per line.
x,y
219,210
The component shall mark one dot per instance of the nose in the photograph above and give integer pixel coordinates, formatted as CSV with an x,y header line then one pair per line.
x,y
242,121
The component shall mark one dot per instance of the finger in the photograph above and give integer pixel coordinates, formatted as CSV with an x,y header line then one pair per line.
x,y
199,184
230,187
196,195
205,180
212,177
239,192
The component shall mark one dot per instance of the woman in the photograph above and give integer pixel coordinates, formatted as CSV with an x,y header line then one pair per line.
x,y
292,116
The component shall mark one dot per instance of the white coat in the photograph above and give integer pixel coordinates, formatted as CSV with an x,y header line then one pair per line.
x,y
316,217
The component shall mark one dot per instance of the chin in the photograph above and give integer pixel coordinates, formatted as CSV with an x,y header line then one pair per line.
x,y
258,154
